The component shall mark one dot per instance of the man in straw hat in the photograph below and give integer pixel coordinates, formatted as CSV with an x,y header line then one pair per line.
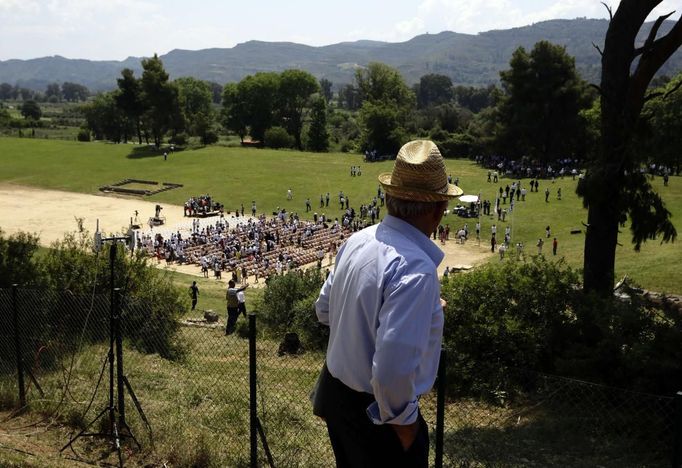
x,y
382,305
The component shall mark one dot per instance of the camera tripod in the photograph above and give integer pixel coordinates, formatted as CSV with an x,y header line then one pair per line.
x,y
118,429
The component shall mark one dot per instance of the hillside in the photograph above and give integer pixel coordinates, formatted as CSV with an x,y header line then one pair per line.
x,y
467,59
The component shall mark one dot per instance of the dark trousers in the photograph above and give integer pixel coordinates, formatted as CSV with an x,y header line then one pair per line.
x,y
356,440
194,303
232,316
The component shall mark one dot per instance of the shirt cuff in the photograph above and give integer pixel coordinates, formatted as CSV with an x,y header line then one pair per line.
x,y
407,416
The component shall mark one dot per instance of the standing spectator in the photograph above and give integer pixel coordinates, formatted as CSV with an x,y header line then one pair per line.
x,y
555,244
232,306
242,303
386,323
253,208
194,293
539,245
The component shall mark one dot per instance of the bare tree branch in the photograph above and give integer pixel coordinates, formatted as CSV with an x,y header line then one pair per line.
x,y
597,87
598,49
674,88
651,96
651,38
665,94
653,57
654,30
608,8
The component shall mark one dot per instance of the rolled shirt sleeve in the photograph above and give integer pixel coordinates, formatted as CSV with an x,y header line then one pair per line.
x,y
322,303
403,338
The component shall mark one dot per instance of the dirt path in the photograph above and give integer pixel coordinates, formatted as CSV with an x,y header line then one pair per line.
x,y
52,213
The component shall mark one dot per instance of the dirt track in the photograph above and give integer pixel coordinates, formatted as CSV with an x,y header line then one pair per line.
x,y
51,213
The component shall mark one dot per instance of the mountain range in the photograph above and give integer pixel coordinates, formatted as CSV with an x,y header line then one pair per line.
x,y
468,59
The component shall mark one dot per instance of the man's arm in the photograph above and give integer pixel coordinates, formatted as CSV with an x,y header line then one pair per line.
x,y
403,336
322,303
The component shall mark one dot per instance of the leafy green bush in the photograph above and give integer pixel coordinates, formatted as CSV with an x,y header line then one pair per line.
x,y
533,316
631,343
209,138
69,271
179,139
17,261
288,305
459,145
83,135
277,137
505,316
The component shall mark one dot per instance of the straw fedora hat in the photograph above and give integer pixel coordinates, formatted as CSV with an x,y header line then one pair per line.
x,y
419,174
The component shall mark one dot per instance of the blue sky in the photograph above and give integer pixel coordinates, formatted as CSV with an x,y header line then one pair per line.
x,y
115,29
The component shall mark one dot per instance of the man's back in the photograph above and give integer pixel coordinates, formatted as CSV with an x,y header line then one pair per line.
x,y
384,283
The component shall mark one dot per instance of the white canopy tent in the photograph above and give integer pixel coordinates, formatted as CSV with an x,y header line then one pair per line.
x,y
468,198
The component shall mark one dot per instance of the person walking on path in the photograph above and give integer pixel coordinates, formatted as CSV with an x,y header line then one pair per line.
x,y
232,306
385,316
194,293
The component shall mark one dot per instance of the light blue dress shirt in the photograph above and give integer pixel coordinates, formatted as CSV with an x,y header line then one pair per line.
x,y
382,305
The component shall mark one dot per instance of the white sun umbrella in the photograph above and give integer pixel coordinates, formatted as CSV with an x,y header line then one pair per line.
x,y
468,198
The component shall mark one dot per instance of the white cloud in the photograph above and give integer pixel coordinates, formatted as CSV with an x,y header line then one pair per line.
x,y
410,27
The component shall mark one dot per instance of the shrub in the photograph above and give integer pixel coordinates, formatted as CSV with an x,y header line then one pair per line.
x,y
288,305
505,316
517,316
152,303
277,137
459,145
83,135
180,139
209,138
17,261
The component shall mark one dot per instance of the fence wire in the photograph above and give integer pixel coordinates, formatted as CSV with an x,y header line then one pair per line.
x,y
192,386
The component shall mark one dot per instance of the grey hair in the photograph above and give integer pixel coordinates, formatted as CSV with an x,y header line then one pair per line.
x,y
407,209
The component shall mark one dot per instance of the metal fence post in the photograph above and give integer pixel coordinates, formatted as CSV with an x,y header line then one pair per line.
x,y
253,415
440,408
17,347
677,431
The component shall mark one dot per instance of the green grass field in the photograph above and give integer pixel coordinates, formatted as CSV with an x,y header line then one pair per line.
x,y
236,175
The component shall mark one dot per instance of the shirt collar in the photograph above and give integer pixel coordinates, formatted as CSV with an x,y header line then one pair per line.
x,y
416,236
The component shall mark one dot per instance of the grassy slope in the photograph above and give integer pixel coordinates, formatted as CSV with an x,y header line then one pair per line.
x,y
236,175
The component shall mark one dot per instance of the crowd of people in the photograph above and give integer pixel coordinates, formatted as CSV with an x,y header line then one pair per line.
x,y
259,246
254,247
202,205
527,168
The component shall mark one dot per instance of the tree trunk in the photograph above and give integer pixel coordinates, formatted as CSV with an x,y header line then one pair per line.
x,y
622,98
139,131
600,242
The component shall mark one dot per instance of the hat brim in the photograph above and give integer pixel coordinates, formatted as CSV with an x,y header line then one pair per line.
x,y
415,194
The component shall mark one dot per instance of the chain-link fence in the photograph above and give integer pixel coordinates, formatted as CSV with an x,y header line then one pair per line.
x,y
195,397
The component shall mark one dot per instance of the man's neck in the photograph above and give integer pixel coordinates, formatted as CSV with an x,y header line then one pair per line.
x,y
422,223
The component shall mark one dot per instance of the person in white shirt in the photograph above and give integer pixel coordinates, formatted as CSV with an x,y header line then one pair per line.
x,y
383,308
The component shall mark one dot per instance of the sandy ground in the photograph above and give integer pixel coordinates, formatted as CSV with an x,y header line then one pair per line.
x,y
51,213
